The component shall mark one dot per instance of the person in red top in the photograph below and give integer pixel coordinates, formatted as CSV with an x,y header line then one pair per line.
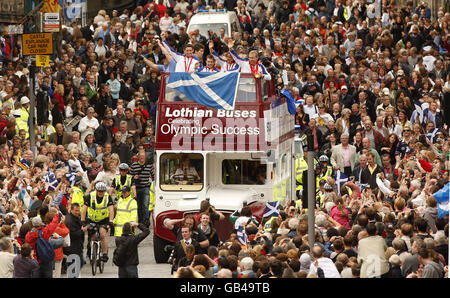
x,y
59,96
426,166
141,108
160,8
45,269
62,231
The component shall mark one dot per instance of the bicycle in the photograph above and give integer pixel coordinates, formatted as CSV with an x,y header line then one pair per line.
x,y
96,254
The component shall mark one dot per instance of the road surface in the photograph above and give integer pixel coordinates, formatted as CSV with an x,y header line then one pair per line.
x,y
147,267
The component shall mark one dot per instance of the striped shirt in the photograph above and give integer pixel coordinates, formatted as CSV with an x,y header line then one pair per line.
x,y
145,172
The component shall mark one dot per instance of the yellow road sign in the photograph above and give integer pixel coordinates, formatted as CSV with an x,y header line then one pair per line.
x,y
42,60
37,44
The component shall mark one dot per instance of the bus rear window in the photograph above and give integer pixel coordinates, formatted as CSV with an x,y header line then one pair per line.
x,y
241,171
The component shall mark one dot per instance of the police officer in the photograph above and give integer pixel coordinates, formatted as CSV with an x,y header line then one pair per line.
x,y
326,170
126,210
122,180
320,195
77,192
99,208
24,115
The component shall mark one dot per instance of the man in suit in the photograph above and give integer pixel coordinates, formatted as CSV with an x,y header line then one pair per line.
x,y
60,137
358,170
372,170
186,239
343,156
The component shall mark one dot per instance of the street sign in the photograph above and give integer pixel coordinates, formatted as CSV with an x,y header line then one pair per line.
x,y
51,22
37,44
42,60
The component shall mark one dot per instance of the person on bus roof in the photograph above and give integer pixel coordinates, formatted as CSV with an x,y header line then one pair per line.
x,y
250,65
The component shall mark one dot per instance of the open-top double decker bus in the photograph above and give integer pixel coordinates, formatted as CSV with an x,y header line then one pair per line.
x,y
231,157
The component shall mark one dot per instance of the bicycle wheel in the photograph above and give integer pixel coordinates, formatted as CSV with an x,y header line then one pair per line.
x,y
101,264
94,257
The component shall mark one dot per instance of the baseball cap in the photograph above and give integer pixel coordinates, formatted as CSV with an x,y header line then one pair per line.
x,y
344,87
126,189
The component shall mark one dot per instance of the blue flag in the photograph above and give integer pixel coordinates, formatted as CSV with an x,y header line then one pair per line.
x,y
242,236
71,177
442,198
432,135
271,209
421,112
289,100
50,178
216,90
340,179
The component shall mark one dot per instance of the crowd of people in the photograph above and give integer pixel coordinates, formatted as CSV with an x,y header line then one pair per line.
x,y
369,79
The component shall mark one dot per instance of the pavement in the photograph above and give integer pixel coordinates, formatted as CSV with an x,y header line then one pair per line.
x,y
147,267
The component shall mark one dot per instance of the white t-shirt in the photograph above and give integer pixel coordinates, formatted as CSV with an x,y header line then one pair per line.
x,y
311,110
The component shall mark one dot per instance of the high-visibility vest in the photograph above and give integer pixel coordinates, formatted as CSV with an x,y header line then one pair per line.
x,y
118,192
299,204
98,212
126,212
151,204
319,198
77,196
45,133
300,166
328,173
268,224
22,122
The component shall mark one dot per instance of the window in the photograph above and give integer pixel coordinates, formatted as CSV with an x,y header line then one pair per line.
x,y
175,95
264,90
247,172
181,172
204,28
246,90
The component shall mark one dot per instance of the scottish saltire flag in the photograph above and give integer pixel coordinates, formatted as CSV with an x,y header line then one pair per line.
x,y
215,90
271,209
420,112
289,100
432,135
50,178
71,177
242,236
442,198
340,179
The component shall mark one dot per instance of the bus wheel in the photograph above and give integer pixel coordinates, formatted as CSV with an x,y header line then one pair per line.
x,y
161,256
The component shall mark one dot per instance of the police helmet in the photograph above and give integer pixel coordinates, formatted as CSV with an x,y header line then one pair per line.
x,y
100,186
323,158
328,187
123,166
